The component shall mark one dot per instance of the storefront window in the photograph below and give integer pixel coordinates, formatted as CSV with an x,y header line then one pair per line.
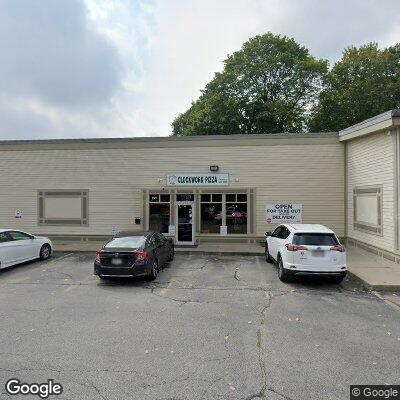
x,y
211,213
185,197
159,212
236,213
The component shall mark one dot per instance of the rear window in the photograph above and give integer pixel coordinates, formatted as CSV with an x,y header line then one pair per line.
x,y
315,239
134,242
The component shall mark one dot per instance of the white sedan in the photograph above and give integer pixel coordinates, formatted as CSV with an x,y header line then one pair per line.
x,y
17,247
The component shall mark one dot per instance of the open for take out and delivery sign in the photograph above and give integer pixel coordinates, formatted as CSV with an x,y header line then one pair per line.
x,y
284,213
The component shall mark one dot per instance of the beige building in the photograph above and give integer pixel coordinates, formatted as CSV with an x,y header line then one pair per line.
x,y
211,188
372,184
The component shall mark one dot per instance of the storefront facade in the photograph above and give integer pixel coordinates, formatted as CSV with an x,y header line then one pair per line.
x,y
194,189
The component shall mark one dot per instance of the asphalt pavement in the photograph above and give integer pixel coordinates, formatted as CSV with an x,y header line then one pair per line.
x,y
209,327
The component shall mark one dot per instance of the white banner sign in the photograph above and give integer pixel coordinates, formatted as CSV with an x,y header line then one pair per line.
x,y
283,213
197,179
171,230
223,230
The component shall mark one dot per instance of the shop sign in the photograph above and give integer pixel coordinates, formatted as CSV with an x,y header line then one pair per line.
x,y
283,213
198,180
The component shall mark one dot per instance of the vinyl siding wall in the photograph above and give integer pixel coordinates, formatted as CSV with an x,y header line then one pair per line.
x,y
311,174
370,161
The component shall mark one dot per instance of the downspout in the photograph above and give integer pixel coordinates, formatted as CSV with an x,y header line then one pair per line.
x,y
345,191
396,165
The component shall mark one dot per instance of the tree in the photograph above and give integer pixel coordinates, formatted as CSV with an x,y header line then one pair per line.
x,y
268,86
364,83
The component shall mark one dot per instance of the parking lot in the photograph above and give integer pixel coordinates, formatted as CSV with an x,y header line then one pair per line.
x,y
209,327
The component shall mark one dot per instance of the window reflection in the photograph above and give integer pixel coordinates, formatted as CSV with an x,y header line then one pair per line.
x,y
211,217
236,214
159,213
213,214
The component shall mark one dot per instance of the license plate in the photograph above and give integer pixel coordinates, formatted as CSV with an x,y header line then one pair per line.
x,y
116,261
318,253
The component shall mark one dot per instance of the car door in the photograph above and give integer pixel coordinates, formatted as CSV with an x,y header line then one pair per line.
x,y
7,254
155,251
281,240
162,247
273,242
24,246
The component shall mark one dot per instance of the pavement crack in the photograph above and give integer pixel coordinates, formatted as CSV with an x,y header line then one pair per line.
x,y
261,351
91,385
183,302
236,275
284,396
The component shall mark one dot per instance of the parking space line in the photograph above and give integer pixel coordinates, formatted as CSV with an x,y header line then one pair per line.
x,y
54,261
70,288
165,289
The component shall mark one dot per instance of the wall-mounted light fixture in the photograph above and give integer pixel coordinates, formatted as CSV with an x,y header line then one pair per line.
x,y
160,180
214,168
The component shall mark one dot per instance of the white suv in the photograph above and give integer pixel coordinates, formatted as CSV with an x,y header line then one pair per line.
x,y
305,249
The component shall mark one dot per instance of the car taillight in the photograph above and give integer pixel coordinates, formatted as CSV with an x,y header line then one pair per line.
x,y
338,247
97,259
294,247
141,255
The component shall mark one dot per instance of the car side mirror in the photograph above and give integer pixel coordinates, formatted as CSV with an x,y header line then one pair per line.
x,y
268,233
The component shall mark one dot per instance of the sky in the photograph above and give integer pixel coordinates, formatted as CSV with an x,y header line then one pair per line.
x,y
127,68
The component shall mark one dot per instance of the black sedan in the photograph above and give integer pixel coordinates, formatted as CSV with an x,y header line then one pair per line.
x,y
131,254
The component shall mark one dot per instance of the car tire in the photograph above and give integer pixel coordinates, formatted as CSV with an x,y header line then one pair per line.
x,y
45,252
282,274
171,255
154,271
268,258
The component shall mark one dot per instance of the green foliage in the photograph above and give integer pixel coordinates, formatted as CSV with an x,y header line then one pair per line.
x,y
364,83
267,87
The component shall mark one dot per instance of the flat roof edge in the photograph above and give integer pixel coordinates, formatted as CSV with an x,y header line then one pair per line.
x,y
163,139
371,125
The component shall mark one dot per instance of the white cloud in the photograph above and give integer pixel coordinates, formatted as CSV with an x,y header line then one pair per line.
x,y
128,67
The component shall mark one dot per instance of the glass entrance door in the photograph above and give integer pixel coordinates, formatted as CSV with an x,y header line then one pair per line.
x,y
185,223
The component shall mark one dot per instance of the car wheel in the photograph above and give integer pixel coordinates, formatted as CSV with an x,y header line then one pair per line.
x,y
171,255
268,258
45,252
282,274
154,271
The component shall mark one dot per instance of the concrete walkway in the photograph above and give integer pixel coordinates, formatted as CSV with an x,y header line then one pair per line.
x,y
375,272
219,248
372,271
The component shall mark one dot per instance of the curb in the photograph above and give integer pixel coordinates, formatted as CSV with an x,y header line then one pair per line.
x,y
220,253
191,252
369,286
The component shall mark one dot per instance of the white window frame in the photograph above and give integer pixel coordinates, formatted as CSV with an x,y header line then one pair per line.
x,y
369,191
83,194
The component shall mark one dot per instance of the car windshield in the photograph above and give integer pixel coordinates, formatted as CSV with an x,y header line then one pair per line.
x,y
126,242
315,239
